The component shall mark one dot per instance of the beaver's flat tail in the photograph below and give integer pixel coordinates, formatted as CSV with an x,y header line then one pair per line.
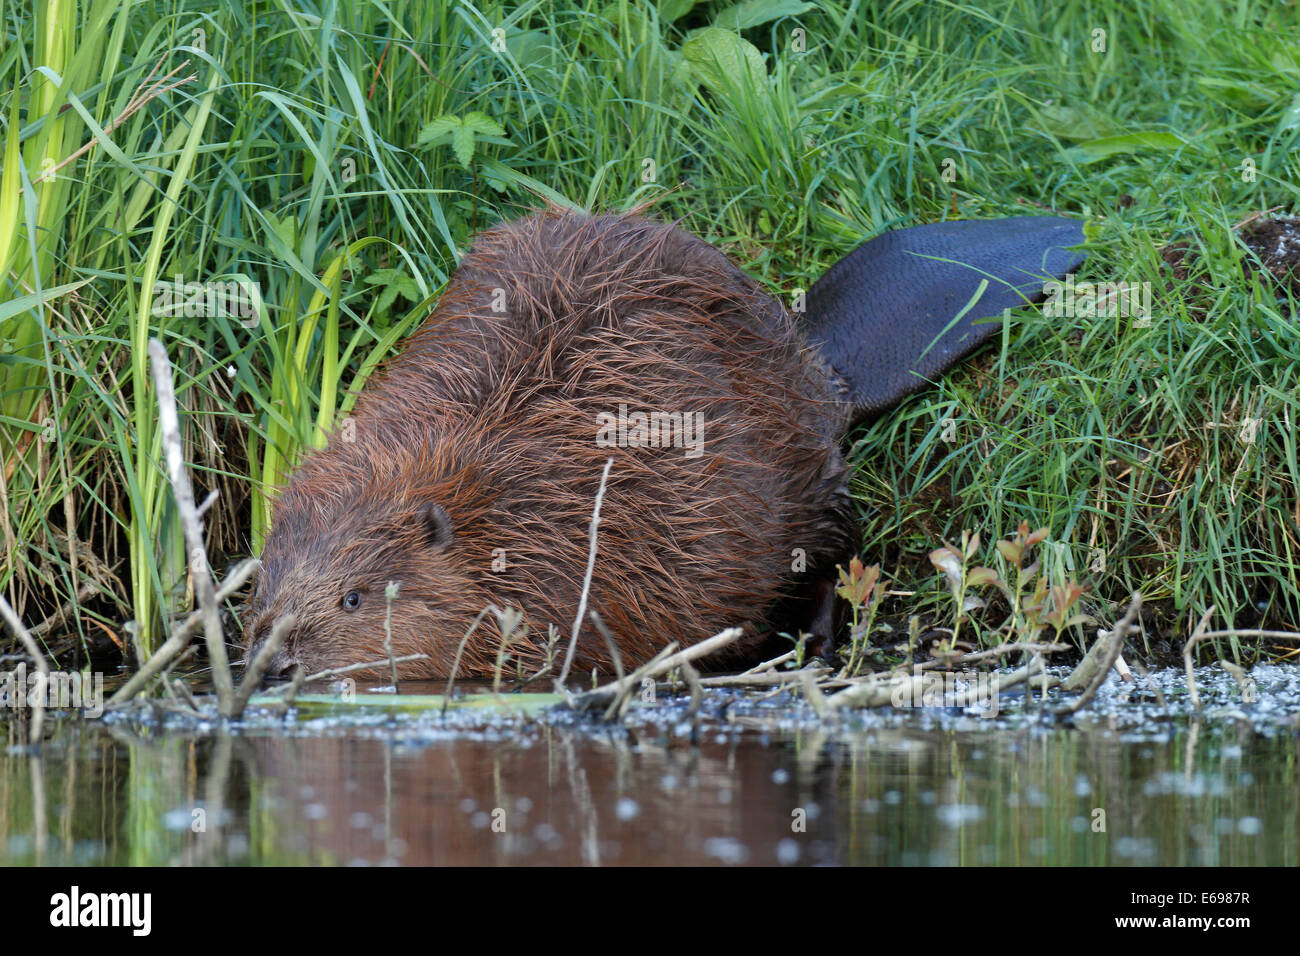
x,y
886,316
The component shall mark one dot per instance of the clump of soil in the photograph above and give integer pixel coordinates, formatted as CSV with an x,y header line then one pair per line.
x,y
1277,243
1276,247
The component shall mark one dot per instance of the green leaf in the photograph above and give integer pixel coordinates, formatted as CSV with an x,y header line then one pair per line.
x,y
1291,118
670,10
22,303
534,49
462,144
285,229
1240,93
437,128
753,12
1072,122
523,181
725,61
482,123
395,283
1099,149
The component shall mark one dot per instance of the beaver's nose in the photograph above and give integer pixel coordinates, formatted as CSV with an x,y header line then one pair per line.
x,y
281,664
282,661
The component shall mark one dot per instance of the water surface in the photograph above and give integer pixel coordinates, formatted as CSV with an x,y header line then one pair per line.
x,y
1129,782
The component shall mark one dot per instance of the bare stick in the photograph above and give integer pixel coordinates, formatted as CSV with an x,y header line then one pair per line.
x,y
1200,634
182,659
181,636
692,678
768,678
1115,643
43,669
261,660
390,593
185,692
542,672
508,622
460,649
192,526
885,690
65,611
295,685
660,665
586,581
610,643
623,697
1187,657
331,672
812,693
1000,651
774,662
143,95
878,690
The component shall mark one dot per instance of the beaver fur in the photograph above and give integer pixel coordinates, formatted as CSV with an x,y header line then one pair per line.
x,y
469,468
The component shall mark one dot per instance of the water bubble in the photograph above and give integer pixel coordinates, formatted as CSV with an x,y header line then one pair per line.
x,y
958,814
726,849
178,820
787,852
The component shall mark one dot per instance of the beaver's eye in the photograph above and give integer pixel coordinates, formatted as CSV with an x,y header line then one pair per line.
x,y
352,600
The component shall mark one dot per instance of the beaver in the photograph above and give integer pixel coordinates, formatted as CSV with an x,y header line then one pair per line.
x,y
467,472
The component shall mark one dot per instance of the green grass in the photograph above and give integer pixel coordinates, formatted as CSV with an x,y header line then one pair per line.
x,y
293,158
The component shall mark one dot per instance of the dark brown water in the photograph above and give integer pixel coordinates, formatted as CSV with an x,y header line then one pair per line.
x,y
925,788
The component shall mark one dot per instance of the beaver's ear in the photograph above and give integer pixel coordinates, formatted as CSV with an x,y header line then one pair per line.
x,y
437,525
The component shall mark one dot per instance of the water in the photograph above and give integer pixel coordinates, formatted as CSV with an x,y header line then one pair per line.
x,y
1131,782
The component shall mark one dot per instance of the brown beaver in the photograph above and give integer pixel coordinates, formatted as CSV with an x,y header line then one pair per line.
x,y
471,463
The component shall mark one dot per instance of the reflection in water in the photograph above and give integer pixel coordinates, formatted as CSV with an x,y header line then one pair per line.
x,y
548,794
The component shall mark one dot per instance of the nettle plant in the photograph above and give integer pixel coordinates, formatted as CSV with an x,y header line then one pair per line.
x,y
1033,611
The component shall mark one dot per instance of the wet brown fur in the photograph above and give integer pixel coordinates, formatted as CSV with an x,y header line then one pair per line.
x,y
493,417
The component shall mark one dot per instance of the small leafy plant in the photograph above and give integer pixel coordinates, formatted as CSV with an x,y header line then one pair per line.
x,y
464,133
863,588
952,562
1031,611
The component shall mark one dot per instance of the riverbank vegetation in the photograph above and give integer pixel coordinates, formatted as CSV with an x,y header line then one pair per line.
x,y
277,191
